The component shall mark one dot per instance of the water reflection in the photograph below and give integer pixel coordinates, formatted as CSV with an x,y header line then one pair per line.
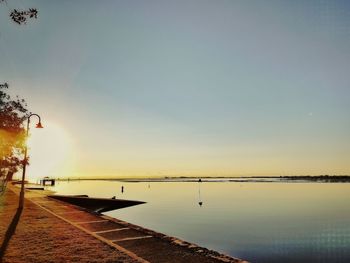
x,y
199,193
259,222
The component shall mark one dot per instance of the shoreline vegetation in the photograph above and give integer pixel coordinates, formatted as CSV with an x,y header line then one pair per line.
x,y
258,179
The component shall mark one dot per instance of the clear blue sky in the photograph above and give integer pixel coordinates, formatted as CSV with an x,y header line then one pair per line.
x,y
188,87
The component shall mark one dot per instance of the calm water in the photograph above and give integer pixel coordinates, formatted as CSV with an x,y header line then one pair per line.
x,y
259,222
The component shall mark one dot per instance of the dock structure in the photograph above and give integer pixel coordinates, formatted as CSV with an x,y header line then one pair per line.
x,y
47,181
135,242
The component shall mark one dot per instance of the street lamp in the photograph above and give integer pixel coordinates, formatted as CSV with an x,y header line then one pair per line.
x,y
38,125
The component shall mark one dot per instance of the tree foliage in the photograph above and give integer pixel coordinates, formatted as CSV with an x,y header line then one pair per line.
x,y
12,134
21,16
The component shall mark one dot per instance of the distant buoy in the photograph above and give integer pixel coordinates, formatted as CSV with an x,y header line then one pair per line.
x,y
199,194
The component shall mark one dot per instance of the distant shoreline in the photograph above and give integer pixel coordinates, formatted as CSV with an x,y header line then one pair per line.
x,y
258,179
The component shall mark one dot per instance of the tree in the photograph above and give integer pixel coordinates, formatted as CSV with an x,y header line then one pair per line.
x,y
12,134
21,16
12,115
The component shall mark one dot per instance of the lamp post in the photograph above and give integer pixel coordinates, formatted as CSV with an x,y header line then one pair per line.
x,y
38,125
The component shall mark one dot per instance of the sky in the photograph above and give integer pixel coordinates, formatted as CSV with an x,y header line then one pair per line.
x,y
183,88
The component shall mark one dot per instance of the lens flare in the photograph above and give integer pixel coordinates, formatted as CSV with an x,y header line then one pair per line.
x,y
50,151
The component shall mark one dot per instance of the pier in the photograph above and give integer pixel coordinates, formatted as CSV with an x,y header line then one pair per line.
x,y
47,181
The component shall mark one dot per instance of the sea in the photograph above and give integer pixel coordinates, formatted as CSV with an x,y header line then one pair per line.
x,y
258,221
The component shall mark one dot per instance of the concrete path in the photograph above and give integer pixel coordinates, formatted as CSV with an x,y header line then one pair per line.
x,y
42,237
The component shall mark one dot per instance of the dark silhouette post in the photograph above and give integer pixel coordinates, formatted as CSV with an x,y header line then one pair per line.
x,y
199,193
25,161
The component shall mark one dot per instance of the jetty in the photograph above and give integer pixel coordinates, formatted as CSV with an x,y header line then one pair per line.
x,y
51,230
47,181
97,205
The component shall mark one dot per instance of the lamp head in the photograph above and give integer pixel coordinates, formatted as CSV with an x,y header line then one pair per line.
x,y
39,126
